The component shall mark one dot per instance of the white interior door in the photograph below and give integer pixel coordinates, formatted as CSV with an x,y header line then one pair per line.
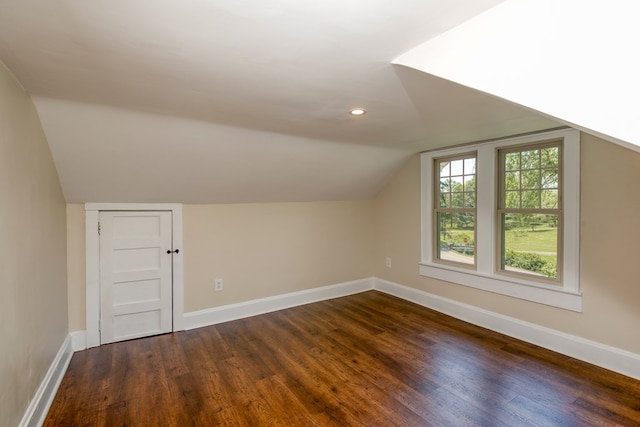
x,y
135,275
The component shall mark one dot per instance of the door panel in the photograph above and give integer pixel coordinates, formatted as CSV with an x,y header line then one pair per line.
x,y
136,290
135,275
127,260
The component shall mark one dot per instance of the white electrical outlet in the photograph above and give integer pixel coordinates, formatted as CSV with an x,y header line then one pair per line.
x,y
218,285
387,262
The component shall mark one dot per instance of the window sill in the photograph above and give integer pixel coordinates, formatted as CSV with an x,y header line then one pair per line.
x,y
522,289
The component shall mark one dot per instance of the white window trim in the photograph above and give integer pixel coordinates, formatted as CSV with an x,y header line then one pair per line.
x,y
92,254
485,277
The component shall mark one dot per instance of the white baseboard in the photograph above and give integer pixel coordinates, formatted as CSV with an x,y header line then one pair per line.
x,y
39,406
78,340
602,355
212,316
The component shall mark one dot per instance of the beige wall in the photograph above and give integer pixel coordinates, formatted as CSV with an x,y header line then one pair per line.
x,y
76,267
268,249
259,250
33,305
609,273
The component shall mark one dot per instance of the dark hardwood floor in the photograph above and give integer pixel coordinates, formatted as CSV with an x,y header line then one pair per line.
x,y
364,360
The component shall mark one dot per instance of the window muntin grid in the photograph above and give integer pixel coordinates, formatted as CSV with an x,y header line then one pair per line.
x,y
530,207
455,209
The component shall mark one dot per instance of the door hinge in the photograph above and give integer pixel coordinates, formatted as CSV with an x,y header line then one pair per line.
x,y
98,228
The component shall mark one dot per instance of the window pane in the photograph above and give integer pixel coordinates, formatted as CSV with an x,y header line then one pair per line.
x,y
530,159
549,178
456,237
531,179
457,200
444,169
512,200
456,188
530,199
512,180
456,167
549,199
445,185
470,166
530,244
512,162
549,157
445,200
470,200
456,183
469,183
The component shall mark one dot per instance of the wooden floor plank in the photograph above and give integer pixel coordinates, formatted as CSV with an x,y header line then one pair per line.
x,y
364,360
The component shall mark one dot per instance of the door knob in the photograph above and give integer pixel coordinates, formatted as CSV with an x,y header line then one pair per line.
x,y
176,251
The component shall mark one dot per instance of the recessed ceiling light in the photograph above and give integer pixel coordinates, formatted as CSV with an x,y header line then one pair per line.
x,y
358,112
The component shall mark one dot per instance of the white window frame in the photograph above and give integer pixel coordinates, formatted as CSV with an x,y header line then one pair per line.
x,y
566,294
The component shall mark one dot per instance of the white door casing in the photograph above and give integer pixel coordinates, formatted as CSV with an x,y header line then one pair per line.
x,y
135,275
92,253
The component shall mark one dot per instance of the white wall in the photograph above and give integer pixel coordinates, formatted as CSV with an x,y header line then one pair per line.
x,y
571,60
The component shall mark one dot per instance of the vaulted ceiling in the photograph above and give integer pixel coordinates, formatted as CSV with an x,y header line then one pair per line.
x,y
213,101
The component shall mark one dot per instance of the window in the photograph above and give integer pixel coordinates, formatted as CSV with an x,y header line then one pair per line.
x,y
530,210
455,209
503,216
